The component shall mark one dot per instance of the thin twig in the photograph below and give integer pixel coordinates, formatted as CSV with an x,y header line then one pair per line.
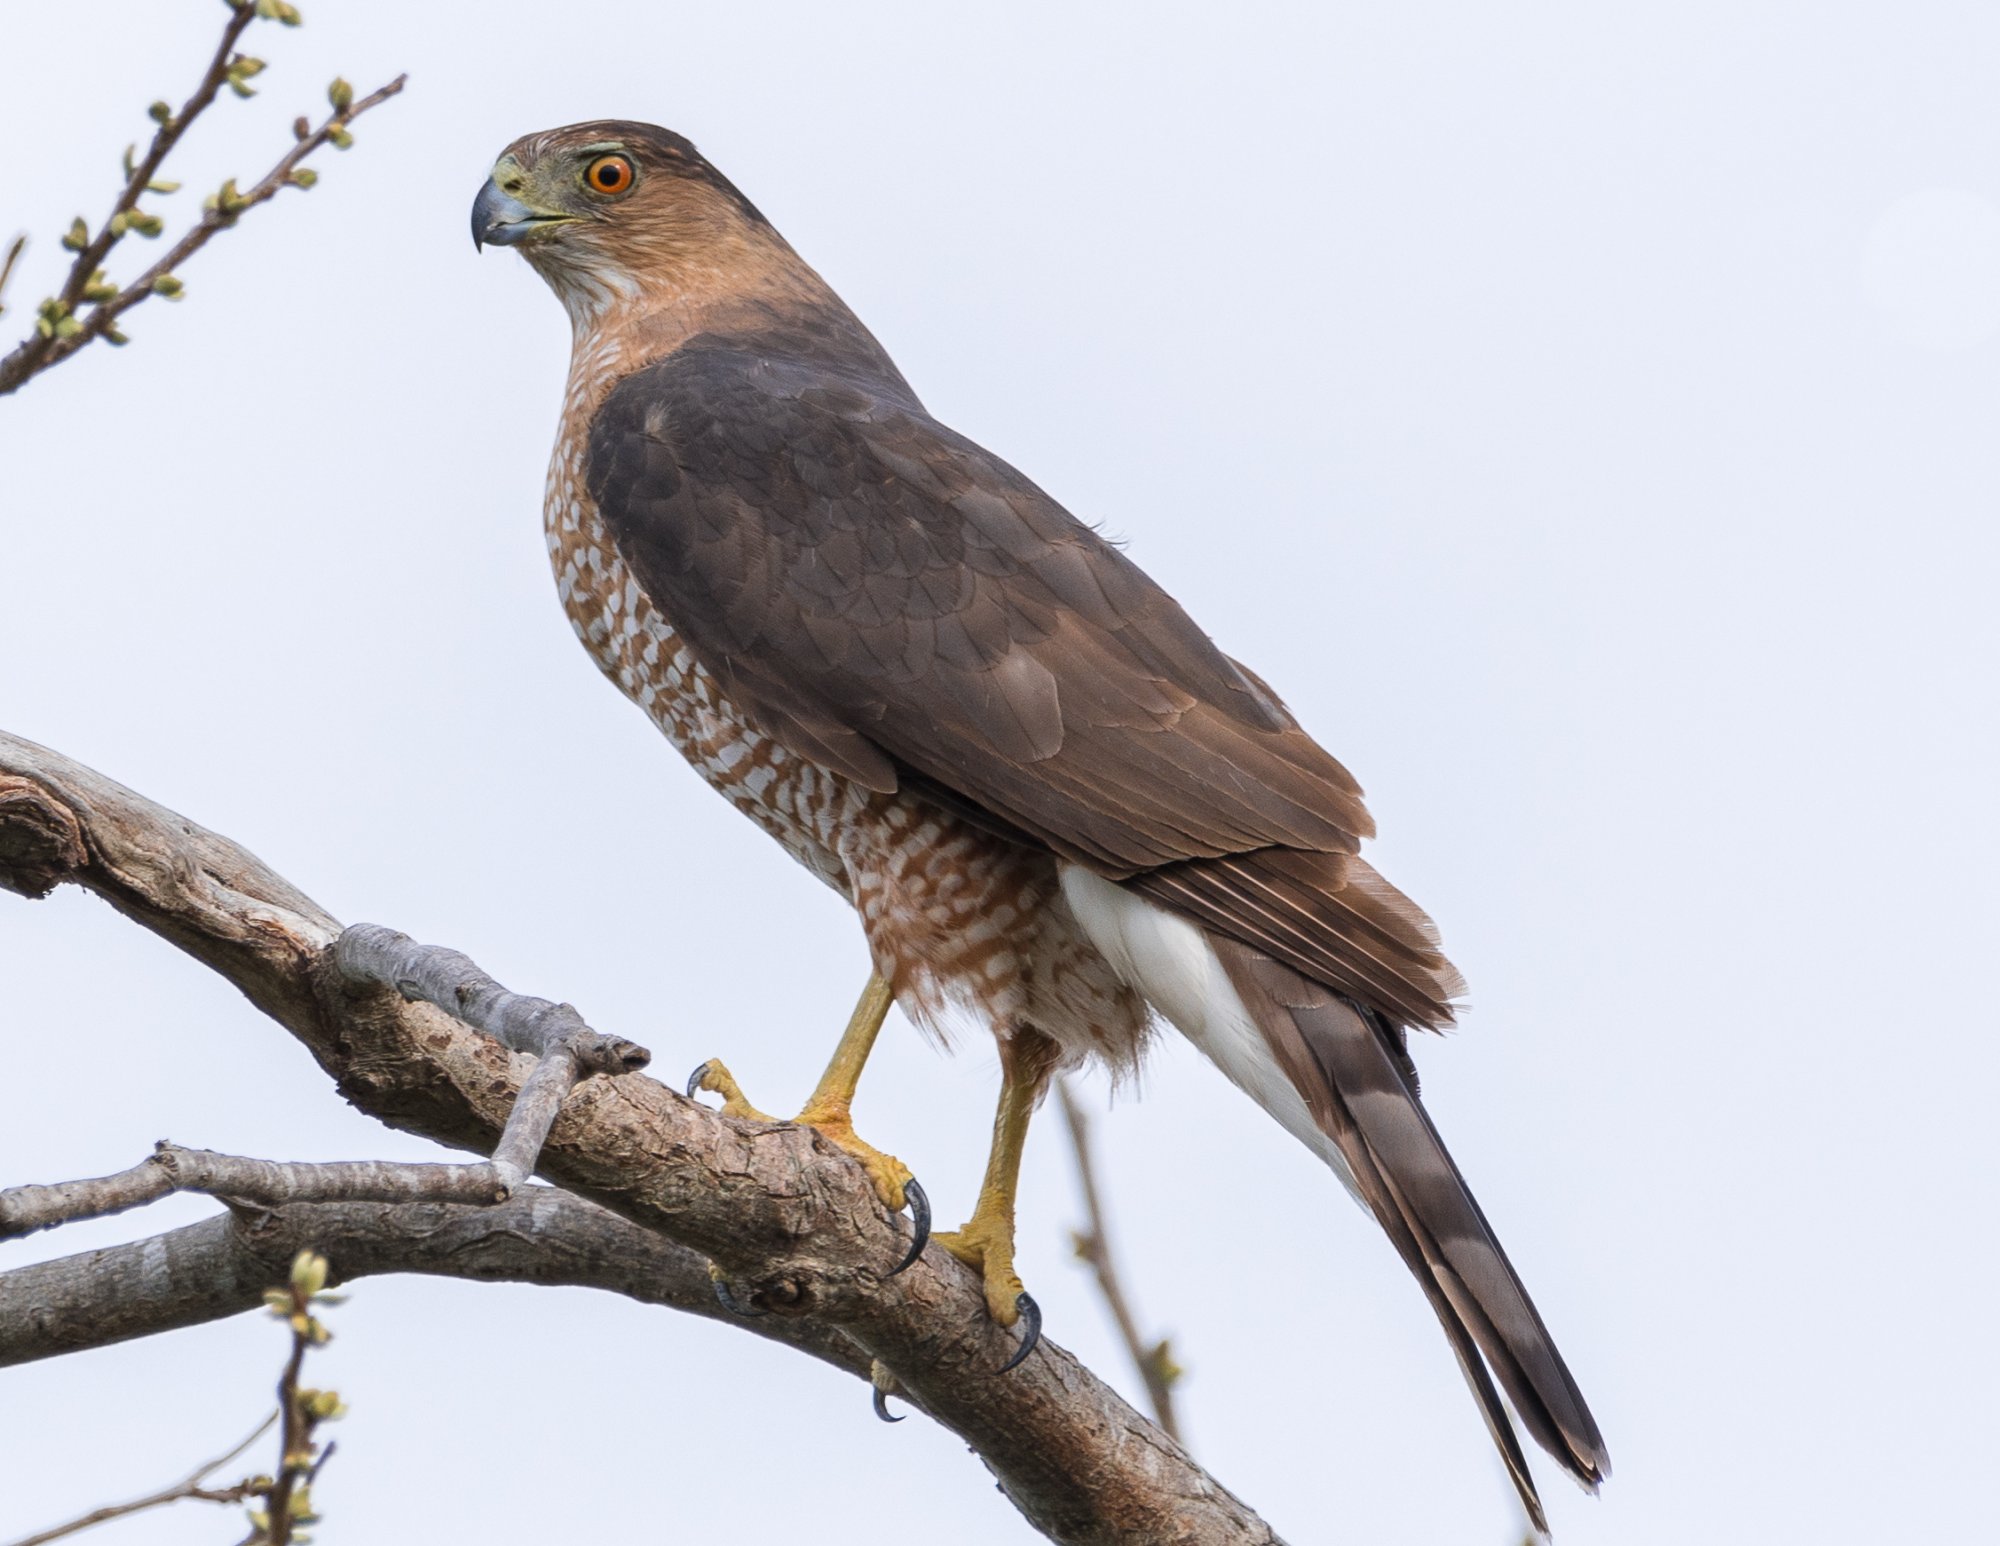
x,y
263,1183
1153,1360
7,267
295,1456
191,1487
61,332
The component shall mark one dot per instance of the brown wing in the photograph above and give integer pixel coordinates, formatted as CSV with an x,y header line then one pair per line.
x,y
889,599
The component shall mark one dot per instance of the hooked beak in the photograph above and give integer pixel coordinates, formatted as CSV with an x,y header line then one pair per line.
x,y
501,220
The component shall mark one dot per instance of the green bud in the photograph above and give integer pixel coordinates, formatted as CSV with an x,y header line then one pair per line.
x,y
342,140
129,164
309,1270
120,222
276,1300
172,289
68,327
226,202
162,185
340,94
97,289
77,237
304,177
145,224
161,114
115,338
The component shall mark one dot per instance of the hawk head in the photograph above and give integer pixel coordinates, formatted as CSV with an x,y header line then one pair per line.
x,y
611,210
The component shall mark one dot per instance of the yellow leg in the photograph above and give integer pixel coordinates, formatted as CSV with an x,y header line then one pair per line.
x,y
987,1240
828,1111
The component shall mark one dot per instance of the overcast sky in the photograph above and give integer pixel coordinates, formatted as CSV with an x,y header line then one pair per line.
x,y
1584,415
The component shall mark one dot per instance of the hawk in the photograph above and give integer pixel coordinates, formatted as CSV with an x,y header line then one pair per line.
x,y
1053,801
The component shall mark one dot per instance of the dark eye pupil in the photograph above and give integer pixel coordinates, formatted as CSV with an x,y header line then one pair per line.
x,y
608,175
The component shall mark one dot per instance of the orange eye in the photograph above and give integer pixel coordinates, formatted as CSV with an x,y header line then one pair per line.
x,y
609,174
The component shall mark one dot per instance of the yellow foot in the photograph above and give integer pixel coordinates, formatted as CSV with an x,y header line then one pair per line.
x,y
990,1253
715,1075
986,1244
890,1177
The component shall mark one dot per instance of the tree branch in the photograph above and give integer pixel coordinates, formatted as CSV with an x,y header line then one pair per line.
x,y
223,1265
792,1223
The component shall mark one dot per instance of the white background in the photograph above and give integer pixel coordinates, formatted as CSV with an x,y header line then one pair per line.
x,y
1584,415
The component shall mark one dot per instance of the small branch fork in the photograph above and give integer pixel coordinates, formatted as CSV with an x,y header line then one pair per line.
x,y
567,1051
60,330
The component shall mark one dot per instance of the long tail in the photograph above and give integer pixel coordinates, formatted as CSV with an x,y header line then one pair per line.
x,y
1336,1075
1349,1068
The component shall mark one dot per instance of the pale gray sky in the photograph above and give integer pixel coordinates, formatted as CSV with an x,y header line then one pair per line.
x,y
1584,415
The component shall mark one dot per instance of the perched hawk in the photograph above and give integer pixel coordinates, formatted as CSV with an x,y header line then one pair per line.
x,y
1052,800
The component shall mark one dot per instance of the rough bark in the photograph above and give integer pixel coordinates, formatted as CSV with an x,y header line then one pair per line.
x,y
222,1266
791,1223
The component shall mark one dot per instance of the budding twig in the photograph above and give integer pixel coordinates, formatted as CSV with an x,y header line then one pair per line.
x,y
61,328
288,1498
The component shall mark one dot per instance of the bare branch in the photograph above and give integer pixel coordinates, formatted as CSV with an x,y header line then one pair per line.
x,y
1153,1360
222,1266
263,1183
60,331
792,1223
24,1210
190,1488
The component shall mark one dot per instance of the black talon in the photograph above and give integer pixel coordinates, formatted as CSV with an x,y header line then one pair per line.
x,y
920,1217
728,1302
1031,1319
694,1080
882,1406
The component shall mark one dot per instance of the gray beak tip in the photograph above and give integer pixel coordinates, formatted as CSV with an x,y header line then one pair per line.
x,y
500,220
